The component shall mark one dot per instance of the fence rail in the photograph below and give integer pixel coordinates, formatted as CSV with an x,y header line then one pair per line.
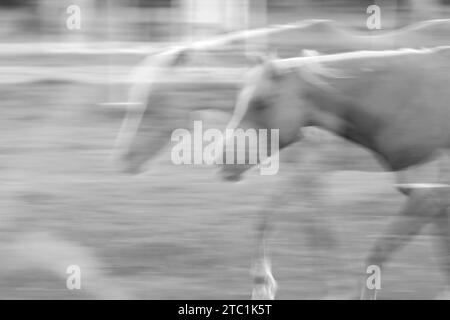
x,y
112,75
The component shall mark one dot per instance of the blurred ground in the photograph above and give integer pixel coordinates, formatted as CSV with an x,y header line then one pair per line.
x,y
176,232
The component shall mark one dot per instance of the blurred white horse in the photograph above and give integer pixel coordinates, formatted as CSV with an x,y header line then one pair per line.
x,y
147,124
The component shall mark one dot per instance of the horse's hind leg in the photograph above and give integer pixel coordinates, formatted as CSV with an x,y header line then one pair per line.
x,y
443,227
421,208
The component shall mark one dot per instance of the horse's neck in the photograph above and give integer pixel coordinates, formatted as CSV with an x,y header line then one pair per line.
x,y
340,113
326,120
365,106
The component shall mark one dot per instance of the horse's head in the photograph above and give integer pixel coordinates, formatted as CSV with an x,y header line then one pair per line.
x,y
145,128
148,121
270,98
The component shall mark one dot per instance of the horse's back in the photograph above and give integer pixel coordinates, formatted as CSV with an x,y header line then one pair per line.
x,y
406,98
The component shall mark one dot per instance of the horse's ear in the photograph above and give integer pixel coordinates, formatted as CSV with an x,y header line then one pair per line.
x,y
266,60
180,57
261,57
257,58
273,71
310,53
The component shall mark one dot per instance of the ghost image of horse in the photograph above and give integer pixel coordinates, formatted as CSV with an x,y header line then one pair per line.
x,y
393,103
148,123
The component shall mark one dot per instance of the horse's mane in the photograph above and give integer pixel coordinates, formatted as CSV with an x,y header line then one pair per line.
x,y
427,27
353,55
315,71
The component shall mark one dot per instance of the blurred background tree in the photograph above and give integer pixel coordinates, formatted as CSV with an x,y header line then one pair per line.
x,y
175,20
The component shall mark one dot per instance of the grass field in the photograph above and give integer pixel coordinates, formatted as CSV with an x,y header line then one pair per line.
x,y
177,231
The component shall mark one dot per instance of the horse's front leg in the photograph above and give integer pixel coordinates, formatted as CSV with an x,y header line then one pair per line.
x,y
421,208
265,287
264,284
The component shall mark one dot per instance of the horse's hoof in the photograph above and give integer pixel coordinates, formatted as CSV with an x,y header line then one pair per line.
x,y
264,292
265,284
